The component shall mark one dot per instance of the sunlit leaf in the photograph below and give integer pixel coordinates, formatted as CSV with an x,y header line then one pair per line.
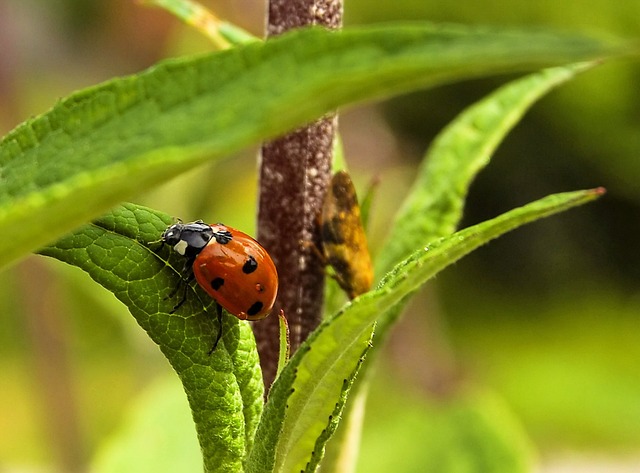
x,y
104,144
310,392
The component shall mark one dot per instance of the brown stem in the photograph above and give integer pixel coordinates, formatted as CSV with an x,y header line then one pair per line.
x,y
294,176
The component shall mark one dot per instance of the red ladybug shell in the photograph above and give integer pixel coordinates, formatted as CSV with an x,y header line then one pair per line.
x,y
238,273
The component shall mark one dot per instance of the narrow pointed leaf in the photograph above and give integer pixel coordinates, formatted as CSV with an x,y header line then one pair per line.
x,y
221,33
310,390
433,206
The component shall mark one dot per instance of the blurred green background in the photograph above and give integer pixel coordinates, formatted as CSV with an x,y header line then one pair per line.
x,y
541,327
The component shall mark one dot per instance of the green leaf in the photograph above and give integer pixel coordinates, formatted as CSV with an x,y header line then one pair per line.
x,y
221,33
433,206
121,252
435,203
285,342
104,144
343,449
310,391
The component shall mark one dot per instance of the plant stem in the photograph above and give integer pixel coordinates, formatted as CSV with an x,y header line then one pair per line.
x,y
294,176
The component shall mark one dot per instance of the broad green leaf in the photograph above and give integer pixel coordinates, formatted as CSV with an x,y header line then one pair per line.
x,y
104,144
310,391
121,252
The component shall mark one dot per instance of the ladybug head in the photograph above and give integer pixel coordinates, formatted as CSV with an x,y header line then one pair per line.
x,y
171,236
188,239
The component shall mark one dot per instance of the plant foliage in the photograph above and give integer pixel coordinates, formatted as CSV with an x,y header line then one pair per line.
x,y
102,145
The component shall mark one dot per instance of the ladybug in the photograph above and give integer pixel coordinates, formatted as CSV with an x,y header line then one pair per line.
x,y
233,268
344,242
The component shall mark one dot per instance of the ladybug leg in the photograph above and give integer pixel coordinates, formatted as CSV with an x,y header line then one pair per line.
x,y
219,312
184,294
183,281
174,291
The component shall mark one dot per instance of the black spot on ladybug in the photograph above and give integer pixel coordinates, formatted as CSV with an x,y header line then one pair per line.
x,y
217,283
255,308
250,265
223,237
